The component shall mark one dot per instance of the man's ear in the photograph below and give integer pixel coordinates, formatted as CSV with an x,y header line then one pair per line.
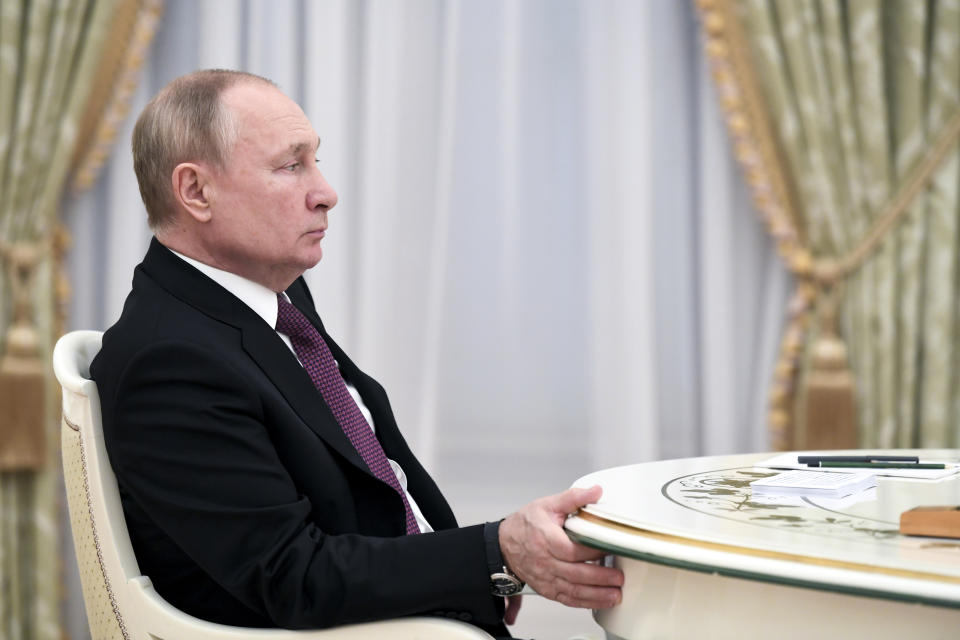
x,y
190,190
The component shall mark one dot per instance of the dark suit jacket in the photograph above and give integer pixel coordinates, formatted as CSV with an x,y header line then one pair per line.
x,y
245,501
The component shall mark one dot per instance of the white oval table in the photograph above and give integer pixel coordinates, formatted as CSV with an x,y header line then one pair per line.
x,y
704,558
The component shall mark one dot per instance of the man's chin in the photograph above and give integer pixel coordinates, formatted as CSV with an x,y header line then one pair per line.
x,y
313,259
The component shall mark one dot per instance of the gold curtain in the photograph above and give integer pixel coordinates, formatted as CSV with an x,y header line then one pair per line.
x,y
66,71
846,117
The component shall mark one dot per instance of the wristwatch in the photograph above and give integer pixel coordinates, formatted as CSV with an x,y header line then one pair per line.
x,y
503,582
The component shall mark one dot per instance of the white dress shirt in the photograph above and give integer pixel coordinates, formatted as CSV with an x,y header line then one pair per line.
x,y
263,302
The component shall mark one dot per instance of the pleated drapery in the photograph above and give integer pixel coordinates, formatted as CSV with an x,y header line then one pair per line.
x,y
860,97
57,80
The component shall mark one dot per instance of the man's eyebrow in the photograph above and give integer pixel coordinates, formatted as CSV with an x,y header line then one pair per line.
x,y
300,147
296,149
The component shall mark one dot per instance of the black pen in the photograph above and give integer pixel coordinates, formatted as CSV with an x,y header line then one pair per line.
x,y
883,465
816,460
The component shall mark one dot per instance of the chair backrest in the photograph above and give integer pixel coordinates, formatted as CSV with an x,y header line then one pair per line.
x,y
121,604
100,538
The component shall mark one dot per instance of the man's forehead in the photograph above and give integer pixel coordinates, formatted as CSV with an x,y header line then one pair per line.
x,y
268,122
265,114
253,95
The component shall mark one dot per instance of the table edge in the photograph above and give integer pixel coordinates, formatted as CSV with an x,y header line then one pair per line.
x,y
771,577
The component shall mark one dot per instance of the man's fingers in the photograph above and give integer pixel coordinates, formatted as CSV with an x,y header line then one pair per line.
x,y
579,553
584,596
563,548
575,583
535,546
572,499
513,609
590,575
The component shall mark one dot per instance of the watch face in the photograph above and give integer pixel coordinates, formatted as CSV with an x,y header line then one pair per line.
x,y
504,584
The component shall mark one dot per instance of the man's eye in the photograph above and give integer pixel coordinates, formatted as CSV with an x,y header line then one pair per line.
x,y
316,160
292,167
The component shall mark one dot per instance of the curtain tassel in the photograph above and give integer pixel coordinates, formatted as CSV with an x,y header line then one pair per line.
x,y
829,394
22,440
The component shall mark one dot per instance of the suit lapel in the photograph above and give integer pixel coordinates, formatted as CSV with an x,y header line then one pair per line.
x,y
420,484
350,371
260,342
280,365
387,432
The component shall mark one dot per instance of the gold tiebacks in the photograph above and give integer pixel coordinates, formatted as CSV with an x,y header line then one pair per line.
x,y
133,28
22,416
830,397
830,271
829,401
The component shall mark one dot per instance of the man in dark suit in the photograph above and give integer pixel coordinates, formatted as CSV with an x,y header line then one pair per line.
x,y
263,476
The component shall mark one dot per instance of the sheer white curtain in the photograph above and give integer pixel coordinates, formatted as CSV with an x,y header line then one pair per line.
x,y
542,249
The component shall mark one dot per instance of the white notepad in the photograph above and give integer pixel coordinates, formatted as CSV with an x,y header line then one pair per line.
x,y
824,484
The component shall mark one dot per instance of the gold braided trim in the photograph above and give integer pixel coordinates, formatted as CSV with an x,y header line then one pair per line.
x,y
763,553
774,196
60,242
830,271
754,140
70,424
96,541
116,41
133,29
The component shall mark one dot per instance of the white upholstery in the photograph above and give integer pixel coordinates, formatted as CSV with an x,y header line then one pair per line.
x,y
121,603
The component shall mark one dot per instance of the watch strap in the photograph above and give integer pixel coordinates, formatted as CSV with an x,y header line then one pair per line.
x,y
491,538
503,582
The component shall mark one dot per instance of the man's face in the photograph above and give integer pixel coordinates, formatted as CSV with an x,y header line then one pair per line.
x,y
269,204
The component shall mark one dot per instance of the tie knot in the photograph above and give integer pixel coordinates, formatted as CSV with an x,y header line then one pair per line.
x,y
290,320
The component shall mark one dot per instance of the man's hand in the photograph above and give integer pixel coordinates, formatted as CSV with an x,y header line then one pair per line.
x,y
535,547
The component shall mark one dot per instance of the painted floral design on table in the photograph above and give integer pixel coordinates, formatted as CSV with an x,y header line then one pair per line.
x,y
726,493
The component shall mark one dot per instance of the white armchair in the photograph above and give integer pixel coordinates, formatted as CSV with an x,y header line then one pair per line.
x,y
121,603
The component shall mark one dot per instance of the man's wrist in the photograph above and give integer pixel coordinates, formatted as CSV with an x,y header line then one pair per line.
x,y
503,582
491,538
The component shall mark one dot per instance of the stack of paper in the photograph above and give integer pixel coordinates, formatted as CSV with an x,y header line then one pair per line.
x,y
823,484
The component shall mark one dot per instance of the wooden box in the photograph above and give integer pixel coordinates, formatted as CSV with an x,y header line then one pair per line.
x,y
942,522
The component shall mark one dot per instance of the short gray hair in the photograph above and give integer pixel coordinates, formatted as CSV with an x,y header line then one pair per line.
x,y
185,122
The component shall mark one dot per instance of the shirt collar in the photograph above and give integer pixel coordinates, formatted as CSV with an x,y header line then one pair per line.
x,y
259,298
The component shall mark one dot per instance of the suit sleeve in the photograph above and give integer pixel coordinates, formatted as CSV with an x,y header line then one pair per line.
x,y
189,444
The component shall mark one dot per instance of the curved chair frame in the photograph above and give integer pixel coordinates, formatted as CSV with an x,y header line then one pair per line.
x,y
121,603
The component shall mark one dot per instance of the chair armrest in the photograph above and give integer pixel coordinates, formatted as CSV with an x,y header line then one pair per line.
x,y
168,623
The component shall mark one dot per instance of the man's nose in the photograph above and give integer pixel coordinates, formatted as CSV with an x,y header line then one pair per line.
x,y
322,195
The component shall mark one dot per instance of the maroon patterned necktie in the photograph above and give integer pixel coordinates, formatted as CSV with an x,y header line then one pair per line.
x,y
315,356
